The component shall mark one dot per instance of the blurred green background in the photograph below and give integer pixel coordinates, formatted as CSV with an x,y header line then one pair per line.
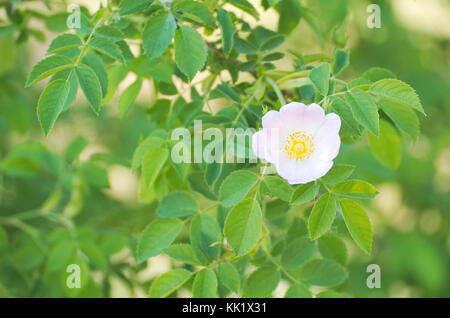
x,y
411,215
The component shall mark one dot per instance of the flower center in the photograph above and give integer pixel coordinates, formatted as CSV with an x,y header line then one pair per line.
x,y
299,145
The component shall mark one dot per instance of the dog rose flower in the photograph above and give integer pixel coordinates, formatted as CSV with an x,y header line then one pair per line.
x,y
301,141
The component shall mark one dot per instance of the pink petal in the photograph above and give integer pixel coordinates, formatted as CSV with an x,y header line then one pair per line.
x,y
326,138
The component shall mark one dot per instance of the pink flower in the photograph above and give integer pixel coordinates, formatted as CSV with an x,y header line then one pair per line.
x,y
301,141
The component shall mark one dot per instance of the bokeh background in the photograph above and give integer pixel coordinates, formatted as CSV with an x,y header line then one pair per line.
x,y
411,215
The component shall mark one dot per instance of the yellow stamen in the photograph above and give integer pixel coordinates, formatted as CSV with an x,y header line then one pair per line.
x,y
299,145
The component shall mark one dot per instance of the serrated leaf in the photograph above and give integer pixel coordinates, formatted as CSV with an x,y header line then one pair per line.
x,y
349,125
364,109
320,77
262,283
229,277
245,6
298,291
157,236
322,216
298,252
132,6
51,103
398,92
278,187
358,224
195,11
338,173
243,226
355,188
169,282
177,204
48,67
387,147
404,118
304,193
90,84
205,284
158,33
107,47
95,62
190,50
341,61
236,186
227,28
378,73
323,272
129,96
64,42
331,246
184,253
152,163
203,233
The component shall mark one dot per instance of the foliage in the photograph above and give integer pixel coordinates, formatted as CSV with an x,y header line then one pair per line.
x,y
214,221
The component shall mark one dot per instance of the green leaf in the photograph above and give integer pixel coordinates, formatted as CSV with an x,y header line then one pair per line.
x,y
169,282
322,216
331,246
129,96
50,104
229,277
397,92
320,77
205,284
59,256
261,283
194,11
298,252
323,272
48,67
203,233
243,226
356,189
153,161
341,61
157,236
190,50
95,62
329,294
75,148
387,147
132,6
90,84
358,224
364,109
342,108
64,42
184,253
141,150
177,204
245,6
338,173
227,28
158,33
94,175
109,32
278,187
236,186
298,291
403,117
377,73
107,47
304,193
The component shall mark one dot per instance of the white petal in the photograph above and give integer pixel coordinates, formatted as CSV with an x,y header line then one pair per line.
x,y
259,143
326,138
302,171
272,119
